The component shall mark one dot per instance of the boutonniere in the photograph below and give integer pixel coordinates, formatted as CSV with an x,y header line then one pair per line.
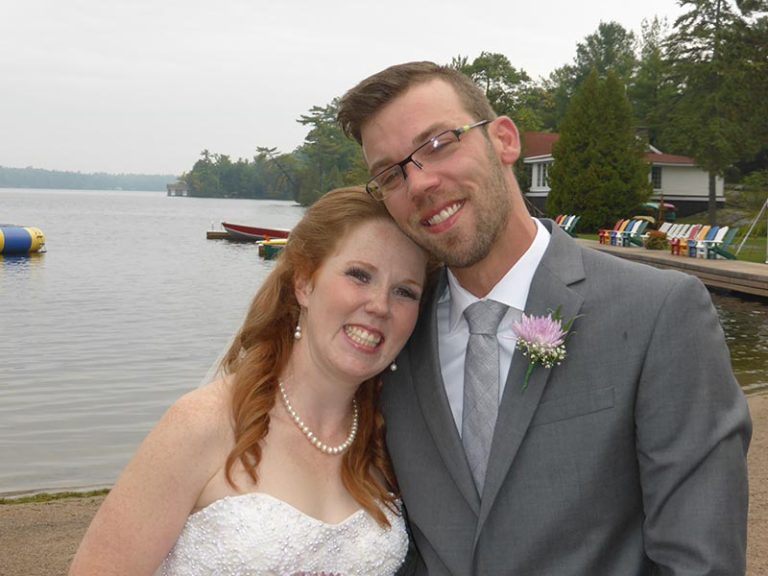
x,y
541,339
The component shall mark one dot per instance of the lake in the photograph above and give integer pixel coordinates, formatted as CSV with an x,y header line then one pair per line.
x,y
128,310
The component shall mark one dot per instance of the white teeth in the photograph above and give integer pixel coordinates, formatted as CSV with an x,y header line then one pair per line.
x,y
362,336
444,214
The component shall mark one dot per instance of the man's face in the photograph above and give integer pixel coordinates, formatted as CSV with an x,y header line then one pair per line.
x,y
457,209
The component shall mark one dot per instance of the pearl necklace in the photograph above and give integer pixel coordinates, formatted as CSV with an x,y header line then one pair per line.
x,y
324,448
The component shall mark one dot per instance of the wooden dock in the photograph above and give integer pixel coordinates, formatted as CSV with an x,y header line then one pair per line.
x,y
743,277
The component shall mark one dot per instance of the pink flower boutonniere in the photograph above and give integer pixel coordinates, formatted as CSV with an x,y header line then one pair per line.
x,y
541,339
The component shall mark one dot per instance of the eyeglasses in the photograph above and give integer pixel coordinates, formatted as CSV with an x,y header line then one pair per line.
x,y
434,150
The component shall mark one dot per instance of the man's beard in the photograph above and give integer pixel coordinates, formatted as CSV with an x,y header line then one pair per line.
x,y
492,207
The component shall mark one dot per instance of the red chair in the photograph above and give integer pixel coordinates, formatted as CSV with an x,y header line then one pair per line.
x,y
604,234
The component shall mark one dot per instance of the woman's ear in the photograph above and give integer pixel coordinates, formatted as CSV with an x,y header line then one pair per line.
x,y
506,139
302,288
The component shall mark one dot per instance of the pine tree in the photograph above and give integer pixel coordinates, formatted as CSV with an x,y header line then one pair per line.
x,y
598,169
718,71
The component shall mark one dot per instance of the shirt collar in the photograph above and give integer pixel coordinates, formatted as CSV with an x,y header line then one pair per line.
x,y
513,287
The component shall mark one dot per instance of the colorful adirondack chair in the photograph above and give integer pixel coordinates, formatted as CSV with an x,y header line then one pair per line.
x,y
690,244
676,231
679,244
622,238
569,225
616,234
698,248
721,250
638,234
704,247
604,234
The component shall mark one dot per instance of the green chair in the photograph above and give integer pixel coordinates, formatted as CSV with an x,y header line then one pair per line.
x,y
570,225
722,249
636,236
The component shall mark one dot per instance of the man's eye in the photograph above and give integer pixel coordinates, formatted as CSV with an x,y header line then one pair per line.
x,y
439,145
390,178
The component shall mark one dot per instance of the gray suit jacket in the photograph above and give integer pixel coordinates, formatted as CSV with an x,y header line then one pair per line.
x,y
627,459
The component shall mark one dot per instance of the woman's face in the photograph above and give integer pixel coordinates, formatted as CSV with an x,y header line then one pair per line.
x,y
362,303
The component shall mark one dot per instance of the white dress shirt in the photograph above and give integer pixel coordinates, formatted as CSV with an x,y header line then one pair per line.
x,y
453,330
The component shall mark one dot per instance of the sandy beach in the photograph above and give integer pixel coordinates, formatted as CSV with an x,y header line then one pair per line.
x,y
41,539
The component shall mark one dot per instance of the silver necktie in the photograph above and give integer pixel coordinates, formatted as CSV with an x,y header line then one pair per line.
x,y
481,385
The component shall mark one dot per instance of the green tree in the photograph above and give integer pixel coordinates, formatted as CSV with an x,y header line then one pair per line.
x,y
714,67
609,49
328,158
650,91
598,170
203,179
276,174
510,90
560,86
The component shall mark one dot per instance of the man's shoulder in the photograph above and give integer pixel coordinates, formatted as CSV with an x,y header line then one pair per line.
x,y
621,270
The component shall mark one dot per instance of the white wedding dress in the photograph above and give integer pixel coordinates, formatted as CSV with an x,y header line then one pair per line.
x,y
259,534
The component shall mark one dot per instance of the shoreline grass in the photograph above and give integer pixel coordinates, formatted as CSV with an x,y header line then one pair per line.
x,y
43,497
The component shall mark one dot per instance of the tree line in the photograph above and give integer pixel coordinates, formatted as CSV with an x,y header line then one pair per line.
x,y
40,178
696,87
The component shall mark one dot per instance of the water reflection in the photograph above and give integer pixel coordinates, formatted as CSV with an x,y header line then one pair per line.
x,y
23,262
745,322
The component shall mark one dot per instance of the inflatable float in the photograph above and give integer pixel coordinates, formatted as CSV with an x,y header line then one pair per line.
x,y
20,240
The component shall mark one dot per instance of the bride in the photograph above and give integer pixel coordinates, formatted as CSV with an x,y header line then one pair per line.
x,y
279,467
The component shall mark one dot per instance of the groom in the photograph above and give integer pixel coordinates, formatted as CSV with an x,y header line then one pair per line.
x,y
628,458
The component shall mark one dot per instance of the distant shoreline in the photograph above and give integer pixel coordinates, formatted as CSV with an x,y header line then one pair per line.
x,y
40,178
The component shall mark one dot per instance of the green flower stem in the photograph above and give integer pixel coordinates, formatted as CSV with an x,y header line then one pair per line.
x,y
528,373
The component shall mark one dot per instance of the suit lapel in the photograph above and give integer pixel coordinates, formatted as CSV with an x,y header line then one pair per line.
x,y
430,391
561,266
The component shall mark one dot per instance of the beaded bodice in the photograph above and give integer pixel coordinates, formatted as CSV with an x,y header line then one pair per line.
x,y
256,533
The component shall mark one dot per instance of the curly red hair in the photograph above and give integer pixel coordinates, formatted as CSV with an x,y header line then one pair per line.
x,y
263,346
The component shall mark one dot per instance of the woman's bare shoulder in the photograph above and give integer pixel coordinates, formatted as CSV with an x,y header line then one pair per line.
x,y
202,413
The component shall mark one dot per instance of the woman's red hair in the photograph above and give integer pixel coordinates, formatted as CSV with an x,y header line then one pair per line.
x,y
263,346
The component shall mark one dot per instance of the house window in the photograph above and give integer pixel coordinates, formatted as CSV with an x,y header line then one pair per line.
x,y
543,175
656,177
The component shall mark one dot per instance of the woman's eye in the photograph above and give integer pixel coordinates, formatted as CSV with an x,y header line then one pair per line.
x,y
359,274
407,293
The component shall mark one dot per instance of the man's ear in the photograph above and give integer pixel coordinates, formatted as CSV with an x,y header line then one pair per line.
x,y
302,288
506,139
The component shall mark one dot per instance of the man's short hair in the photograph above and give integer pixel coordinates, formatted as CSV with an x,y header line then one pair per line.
x,y
366,99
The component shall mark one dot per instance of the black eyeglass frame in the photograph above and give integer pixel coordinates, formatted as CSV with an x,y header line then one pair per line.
x,y
374,193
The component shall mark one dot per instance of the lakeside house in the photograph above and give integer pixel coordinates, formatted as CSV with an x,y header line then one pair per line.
x,y
675,178
179,188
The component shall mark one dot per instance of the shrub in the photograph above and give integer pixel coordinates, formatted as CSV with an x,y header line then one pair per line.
x,y
656,240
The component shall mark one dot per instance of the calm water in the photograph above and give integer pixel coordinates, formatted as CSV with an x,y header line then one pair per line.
x,y
129,308
125,312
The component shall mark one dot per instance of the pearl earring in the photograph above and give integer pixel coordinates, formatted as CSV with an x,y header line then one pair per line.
x,y
297,332
393,366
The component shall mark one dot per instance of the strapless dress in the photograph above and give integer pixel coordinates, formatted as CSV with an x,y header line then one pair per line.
x,y
257,533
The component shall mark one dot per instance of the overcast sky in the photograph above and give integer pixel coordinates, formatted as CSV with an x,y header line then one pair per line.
x,y
144,86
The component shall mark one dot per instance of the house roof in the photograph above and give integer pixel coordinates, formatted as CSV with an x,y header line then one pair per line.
x,y
661,158
539,144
